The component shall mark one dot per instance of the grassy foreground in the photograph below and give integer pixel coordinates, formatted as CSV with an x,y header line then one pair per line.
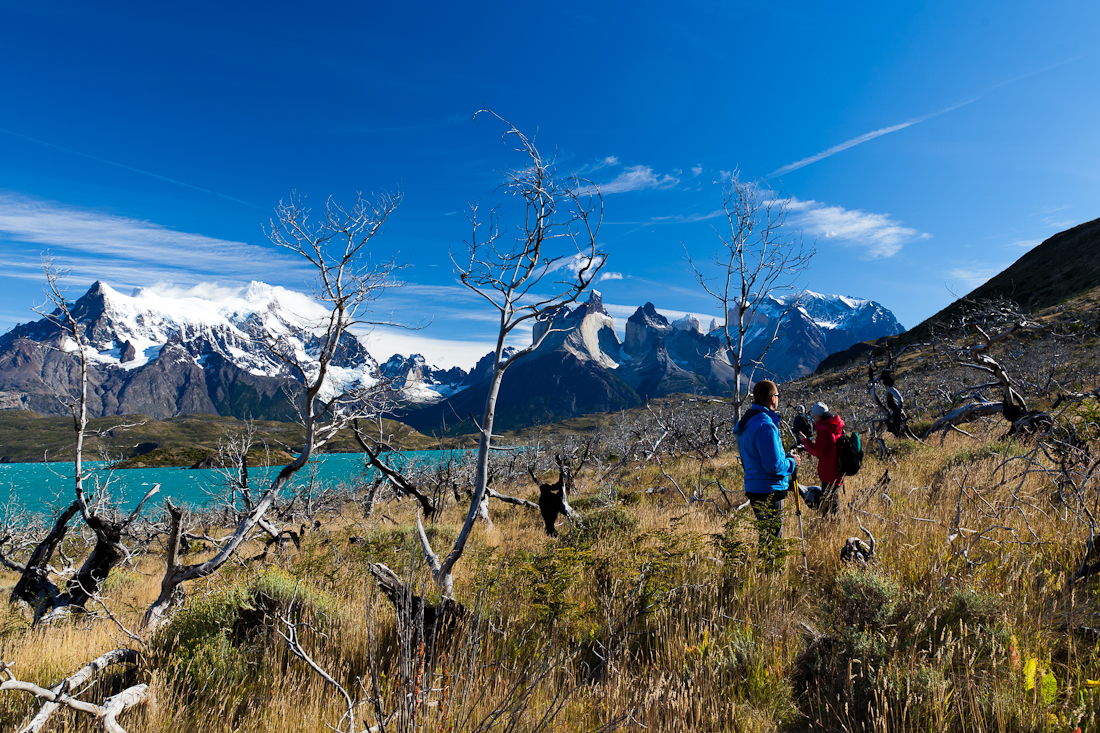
x,y
652,616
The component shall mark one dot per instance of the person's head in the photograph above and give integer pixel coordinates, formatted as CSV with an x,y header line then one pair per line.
x,y
766,393
820,411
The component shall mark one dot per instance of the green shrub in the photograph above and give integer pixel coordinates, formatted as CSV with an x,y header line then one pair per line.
x,y
865,600
548,577
220,639
394,546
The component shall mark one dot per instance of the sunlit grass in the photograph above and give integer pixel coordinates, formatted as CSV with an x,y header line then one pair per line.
x,y
653,614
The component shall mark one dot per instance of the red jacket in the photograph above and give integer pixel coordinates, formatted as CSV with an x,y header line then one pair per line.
x,y
824,447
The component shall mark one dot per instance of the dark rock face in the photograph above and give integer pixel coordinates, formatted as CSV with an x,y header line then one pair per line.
x,y
643,329
660,359
172,384
797,351
537,388
233,391
129,352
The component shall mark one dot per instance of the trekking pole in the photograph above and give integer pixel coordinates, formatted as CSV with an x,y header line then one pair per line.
x,y
798,513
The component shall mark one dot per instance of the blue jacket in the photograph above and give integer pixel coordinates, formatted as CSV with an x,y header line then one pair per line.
x,y
767,466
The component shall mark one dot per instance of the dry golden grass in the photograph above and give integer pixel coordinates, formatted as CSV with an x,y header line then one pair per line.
x,y
696,635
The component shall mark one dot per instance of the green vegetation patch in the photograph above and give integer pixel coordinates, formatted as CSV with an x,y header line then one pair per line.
x,y
223,639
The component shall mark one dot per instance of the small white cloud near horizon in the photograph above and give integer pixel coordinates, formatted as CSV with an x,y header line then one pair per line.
x,y
383,342
973,275
1025,244
877,234
608,162
610,276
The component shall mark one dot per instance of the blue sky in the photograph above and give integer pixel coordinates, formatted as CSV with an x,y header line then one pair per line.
x,y
926,145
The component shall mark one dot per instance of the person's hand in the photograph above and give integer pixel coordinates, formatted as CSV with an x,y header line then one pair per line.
x,y
794,457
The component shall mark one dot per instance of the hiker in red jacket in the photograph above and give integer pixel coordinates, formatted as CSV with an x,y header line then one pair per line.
x,y
828,428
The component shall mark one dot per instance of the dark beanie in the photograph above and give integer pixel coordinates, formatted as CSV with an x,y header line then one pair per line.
x,y
763,390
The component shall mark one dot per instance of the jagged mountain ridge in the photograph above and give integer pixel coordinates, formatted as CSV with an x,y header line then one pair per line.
x,y
168,355
581,366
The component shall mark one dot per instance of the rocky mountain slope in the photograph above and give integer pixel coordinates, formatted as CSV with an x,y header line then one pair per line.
x,y
582,367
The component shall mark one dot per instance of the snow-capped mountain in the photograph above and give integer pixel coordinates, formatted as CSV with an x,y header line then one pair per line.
x,y
843,320
421,382
165,353
817,326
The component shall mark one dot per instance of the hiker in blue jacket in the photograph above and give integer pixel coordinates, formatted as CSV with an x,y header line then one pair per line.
x,y
767,466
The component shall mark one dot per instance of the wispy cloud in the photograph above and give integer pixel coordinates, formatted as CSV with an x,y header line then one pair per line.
x,y
608,162
865,137
610,276
696,170
638,178
691,218
126,250
878,234
1025,243
1053,222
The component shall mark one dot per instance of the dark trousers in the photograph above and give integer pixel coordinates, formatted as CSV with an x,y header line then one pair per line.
x,y
829,505
768,509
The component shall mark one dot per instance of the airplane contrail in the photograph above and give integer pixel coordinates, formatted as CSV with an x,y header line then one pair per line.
x,y
862,139
129,168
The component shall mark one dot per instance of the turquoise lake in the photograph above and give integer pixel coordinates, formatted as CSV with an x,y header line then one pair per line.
x,y
34,485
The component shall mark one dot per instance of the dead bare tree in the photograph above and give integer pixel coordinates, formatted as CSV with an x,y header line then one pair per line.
x,y
35,586
528,277
335,246
992,322
755,259
396,478
893,417
67,692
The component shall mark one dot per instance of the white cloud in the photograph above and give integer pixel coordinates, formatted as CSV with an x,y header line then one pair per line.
x,y
878,234
610,276
1025,243
575,263
609,161
382,343
973,275
131,250
1053,222
638,178
696,170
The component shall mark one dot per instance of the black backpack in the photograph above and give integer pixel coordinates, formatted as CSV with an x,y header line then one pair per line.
x,y
849,454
